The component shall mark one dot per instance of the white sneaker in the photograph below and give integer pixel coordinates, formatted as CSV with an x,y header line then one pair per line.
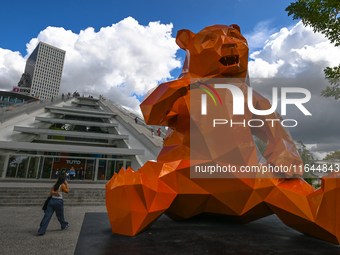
x,y
66,227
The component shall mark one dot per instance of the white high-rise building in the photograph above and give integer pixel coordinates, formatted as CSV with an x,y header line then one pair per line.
x,y
43,71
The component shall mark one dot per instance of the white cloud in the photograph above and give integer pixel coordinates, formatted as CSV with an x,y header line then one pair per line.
x,y
320,52
263,69
12,65
301,54
292,52
119,61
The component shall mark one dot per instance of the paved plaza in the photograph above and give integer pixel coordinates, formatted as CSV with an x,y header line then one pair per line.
x,y
19,224
90,233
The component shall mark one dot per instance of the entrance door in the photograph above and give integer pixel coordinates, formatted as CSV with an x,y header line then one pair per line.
x,y
12,166
47,168
89,169
111,169
102,170
22,166
33,167
119,165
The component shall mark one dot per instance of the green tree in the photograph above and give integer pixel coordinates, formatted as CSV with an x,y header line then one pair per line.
x,y
262,146
306,157
333,155
305,154
323,17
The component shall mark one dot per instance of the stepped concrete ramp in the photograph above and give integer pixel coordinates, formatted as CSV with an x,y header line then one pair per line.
x,y
25,111
140,130
34,193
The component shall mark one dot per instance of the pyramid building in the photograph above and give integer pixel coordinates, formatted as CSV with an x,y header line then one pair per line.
x,y
95,137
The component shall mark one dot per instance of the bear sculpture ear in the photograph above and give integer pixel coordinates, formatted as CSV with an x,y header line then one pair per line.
x,y
236,27
183,38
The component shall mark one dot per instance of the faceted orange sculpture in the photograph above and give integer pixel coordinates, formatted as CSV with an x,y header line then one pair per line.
x,y
135,199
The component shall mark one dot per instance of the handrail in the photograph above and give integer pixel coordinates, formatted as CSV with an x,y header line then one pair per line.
x,y
129,113
27,108
133,115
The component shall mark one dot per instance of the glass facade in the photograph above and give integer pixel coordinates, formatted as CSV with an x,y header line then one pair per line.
x,y
90,169
2,164
33,167
22,166
12,166
45,167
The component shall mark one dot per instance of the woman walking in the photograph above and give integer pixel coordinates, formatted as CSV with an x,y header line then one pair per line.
x,y
56,204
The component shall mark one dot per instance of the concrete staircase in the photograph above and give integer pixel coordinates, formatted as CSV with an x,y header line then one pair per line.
x,y
141,127
36,196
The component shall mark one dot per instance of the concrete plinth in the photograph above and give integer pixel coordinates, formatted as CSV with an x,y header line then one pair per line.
x,y
199,235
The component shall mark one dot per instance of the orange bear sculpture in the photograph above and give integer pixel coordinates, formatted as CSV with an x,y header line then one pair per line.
x,y
135,199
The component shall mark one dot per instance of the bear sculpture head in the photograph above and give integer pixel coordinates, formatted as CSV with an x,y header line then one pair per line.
x,y
215,51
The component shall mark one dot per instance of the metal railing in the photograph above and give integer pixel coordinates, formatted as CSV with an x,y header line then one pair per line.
x,y
12,112
131,114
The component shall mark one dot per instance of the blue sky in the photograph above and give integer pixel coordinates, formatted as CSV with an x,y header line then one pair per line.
x,y
20,21
121,49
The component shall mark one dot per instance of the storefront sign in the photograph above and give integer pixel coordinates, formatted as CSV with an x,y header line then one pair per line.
x,y
73,162
22,90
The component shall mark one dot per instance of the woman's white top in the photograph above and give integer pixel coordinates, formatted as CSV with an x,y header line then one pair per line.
x,y
59,192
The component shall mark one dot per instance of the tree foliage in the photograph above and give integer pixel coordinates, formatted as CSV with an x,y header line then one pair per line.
x,y
333,77
306,157
323,16
262,146
333,155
